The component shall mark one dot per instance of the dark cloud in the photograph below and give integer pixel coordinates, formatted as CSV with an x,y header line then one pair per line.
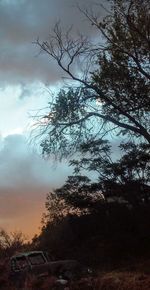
x,y
25,178
21,22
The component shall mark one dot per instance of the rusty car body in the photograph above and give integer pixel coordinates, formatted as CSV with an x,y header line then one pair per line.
x,y
38,264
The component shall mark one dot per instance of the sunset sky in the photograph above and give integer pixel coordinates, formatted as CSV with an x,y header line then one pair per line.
x,y
25,76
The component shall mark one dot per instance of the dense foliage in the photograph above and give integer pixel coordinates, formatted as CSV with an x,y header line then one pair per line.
x,y
113,92
110,97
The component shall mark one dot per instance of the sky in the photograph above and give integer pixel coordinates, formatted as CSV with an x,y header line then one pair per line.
x,y
26,77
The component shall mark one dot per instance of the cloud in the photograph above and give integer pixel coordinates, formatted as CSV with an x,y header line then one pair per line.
x,y
25,178
21,22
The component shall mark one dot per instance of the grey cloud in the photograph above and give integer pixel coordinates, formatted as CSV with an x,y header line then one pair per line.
x,y
26,92
25,178
21,167
21,22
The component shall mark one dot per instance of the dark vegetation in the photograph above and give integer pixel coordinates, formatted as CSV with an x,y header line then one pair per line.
x,y
101,215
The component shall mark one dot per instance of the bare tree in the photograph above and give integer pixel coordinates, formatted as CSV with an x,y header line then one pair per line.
x,y
11,242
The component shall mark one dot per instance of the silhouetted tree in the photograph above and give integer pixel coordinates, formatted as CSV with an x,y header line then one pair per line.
x,y
11,242
112,94
124,180
108,92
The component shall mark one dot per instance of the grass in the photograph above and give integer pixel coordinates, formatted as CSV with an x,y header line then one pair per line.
x,y
103,281
134,276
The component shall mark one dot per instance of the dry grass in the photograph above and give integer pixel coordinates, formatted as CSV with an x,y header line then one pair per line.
x,y
40,284
135,279
114,281
123,281
105,281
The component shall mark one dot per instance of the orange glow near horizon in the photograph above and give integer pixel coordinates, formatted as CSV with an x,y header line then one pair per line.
x,y
22,212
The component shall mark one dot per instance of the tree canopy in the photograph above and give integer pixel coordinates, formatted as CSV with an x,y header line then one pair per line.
x,y
112,93
108,95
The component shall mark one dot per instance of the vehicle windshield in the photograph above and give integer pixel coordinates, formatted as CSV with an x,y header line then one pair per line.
x,y
36,259
20,262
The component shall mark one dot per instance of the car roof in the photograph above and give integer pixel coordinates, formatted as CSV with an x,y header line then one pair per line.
x,y
26,254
